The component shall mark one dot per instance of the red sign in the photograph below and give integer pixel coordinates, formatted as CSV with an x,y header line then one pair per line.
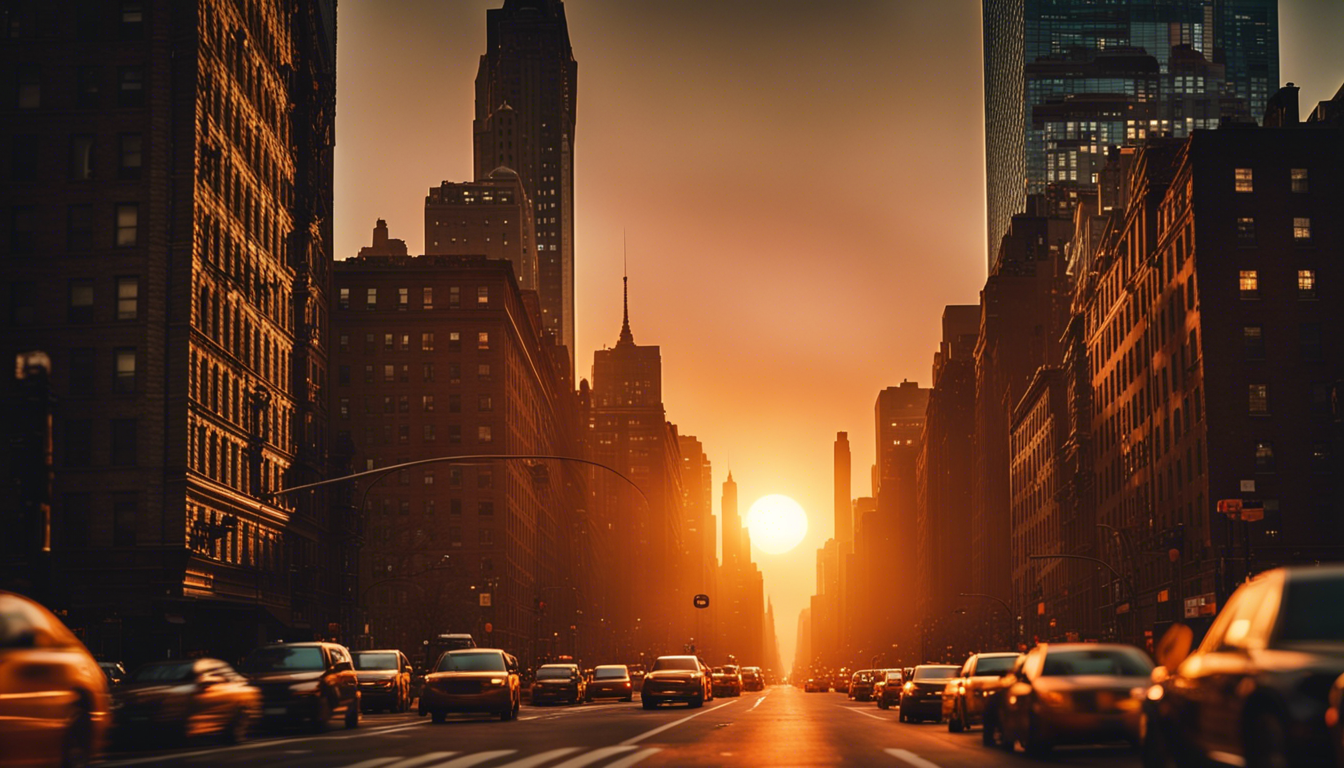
x,y
489,627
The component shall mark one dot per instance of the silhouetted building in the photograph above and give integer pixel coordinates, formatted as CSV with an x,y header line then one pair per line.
x,y
474,547
526,94
700,539
1066,79
742,620
1038,431
383,243
491,217
167,205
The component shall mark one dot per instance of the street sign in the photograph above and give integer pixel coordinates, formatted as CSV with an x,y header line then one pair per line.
x,y
1229,506
1248,486
702,601
485,600
489,627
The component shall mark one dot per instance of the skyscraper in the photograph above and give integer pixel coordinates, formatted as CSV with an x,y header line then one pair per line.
x,y
1064,79
844,512
526,90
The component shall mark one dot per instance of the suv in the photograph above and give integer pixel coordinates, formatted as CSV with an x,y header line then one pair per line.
x,y
472,680
964,697
922,692
384,679
559,682
753,679
305,683
727,681
677,678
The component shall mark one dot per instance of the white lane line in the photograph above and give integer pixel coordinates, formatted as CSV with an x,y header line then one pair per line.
x,y
535,760
374,763
257,745
858,711
911,758
428,757
476,759
638,757
594,756
674,724
757,704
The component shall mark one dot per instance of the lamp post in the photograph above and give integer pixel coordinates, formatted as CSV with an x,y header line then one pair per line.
x,y
1012,618
1119,577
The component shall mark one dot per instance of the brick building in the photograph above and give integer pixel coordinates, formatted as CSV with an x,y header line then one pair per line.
x,y
490,217
167,205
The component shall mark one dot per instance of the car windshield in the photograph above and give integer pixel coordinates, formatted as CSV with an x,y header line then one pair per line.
x,y
609,673
171,672
1119,661
280,658
893,677
375,661
935,673
864,677
994,665
676,662
1311,611
471,662
554,673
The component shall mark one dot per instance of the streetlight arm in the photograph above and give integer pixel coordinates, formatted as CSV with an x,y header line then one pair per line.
x,y
998,600
1108,566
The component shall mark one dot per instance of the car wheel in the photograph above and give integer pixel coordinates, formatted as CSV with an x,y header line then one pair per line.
x,y
1266,741
77,749
902,717
697,703
883,705
649,703
439,717
235,732
323,717
1034,744
954,722
352,714
992,733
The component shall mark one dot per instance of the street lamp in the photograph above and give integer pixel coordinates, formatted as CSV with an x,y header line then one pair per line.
x,y
1012,630
1124,583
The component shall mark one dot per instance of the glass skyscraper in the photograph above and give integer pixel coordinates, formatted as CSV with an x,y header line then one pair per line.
x,y
1065,79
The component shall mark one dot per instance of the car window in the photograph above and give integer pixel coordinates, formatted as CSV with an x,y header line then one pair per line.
x,y
686,663
1237,634
1311,611
371,661
994,665
609,673
935,673
277,658
1099,661
170,672
468,661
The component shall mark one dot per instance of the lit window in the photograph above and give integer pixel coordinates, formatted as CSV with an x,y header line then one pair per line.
x,y
427,402
124,383
345,298
371,301
454,296
1259,398
483,340
1301,229
1306,283
427,342
483,371
1250,284
1245,230
387,342
403,298
128,298
1243,182
1264,455
483,434
128,225
1299,180
389,373
427,300
483,295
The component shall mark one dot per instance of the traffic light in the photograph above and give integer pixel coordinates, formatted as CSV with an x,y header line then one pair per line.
x,y
1174,542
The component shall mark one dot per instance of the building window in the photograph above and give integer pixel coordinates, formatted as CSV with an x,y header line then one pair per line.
x,y
1253,342
83,371
455,433
454,373
128,225
403,403
484,404
429,478
130,155
343,342
1259,399
23,154
487,537
389,373
483,341
343,374
1245,230
483,372
123,382
81,157
387,342
428,430
345,408
1309,340
1306,284
454,296
1299,176
429,372
132,19
426,402
1242,180
403,299
455,533
78,442
124,509
123,442
454,341
429,507
485,479
131,87
343,302
81,301
483,434
22,237
371,300
404,434
427,298
1301,229
485,508
427,342
1250,284
404,342
368,374
455,477
454,403
128,298
482,296
1264,456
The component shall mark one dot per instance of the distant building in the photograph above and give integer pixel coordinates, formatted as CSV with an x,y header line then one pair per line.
x,y
1041,588
699,538
491,217
167,242
526,102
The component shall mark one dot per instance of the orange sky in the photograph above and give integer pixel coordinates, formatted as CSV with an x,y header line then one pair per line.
x,y
802,190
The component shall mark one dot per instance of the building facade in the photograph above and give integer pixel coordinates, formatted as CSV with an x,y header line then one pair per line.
x,y
490,217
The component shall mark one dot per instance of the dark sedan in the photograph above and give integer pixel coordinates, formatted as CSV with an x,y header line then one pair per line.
x,y
559,683
611,681
473,680
305,683
384,680
677,678
1256,691
184,699
922,692
887,691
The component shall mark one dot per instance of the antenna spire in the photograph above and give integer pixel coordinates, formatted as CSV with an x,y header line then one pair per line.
x,y
626,336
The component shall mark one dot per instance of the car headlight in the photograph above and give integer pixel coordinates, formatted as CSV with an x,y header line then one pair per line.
x,y
908,687
1055,698
309,687
1154,692
496,681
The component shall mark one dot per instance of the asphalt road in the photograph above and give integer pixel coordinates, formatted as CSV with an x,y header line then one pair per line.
x,y
780,727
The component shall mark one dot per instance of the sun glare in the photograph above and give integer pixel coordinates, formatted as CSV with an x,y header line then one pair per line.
x,y
777,524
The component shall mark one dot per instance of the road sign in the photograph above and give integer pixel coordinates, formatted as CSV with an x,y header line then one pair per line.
x,y
702,601
485,600
1229,506
489,627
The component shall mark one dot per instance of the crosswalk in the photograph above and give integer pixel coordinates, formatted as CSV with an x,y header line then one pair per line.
x,y
564,757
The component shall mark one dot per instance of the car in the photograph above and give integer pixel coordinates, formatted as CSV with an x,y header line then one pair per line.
x,y
753,679
815,685
54,702
611,681
484,680
116,673
964,696
384,680
861,684
840,683
1256,690
677,678
922,692
559,682
726,681
1333,720
305,683
887,691
179,699
1073,693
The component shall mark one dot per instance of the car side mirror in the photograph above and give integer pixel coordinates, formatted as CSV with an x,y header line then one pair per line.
x,y
343,666
1174,646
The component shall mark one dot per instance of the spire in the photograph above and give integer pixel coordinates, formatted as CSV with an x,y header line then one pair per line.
x,y
626,336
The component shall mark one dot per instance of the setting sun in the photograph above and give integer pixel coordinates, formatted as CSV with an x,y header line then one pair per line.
x,y
777,524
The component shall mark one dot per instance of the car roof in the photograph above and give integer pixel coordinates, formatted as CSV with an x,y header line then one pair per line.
x,y
611,666
558,666
378,650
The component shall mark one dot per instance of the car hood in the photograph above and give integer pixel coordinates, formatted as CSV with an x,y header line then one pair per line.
x,y
284,677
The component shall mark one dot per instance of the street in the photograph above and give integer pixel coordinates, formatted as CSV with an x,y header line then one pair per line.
x,y
777,727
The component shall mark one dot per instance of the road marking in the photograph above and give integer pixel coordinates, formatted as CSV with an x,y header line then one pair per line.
x,y
594,756
757,704
673,724
535,760
428,757
258,745
911,758
476,759
638,757
374,763
858,711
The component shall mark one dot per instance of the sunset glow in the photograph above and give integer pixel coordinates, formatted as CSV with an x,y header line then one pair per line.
x,y
777,524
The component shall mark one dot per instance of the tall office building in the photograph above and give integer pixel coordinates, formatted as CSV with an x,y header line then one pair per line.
x,y
490,217
167,192
526,91
844,512
1064,79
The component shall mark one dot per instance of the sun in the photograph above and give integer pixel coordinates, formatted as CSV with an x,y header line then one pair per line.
x,y
777,524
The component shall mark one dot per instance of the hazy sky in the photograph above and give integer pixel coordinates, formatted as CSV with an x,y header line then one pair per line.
x,y
801,185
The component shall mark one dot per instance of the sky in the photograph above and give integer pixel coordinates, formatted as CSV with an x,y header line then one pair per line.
x,y
799,186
